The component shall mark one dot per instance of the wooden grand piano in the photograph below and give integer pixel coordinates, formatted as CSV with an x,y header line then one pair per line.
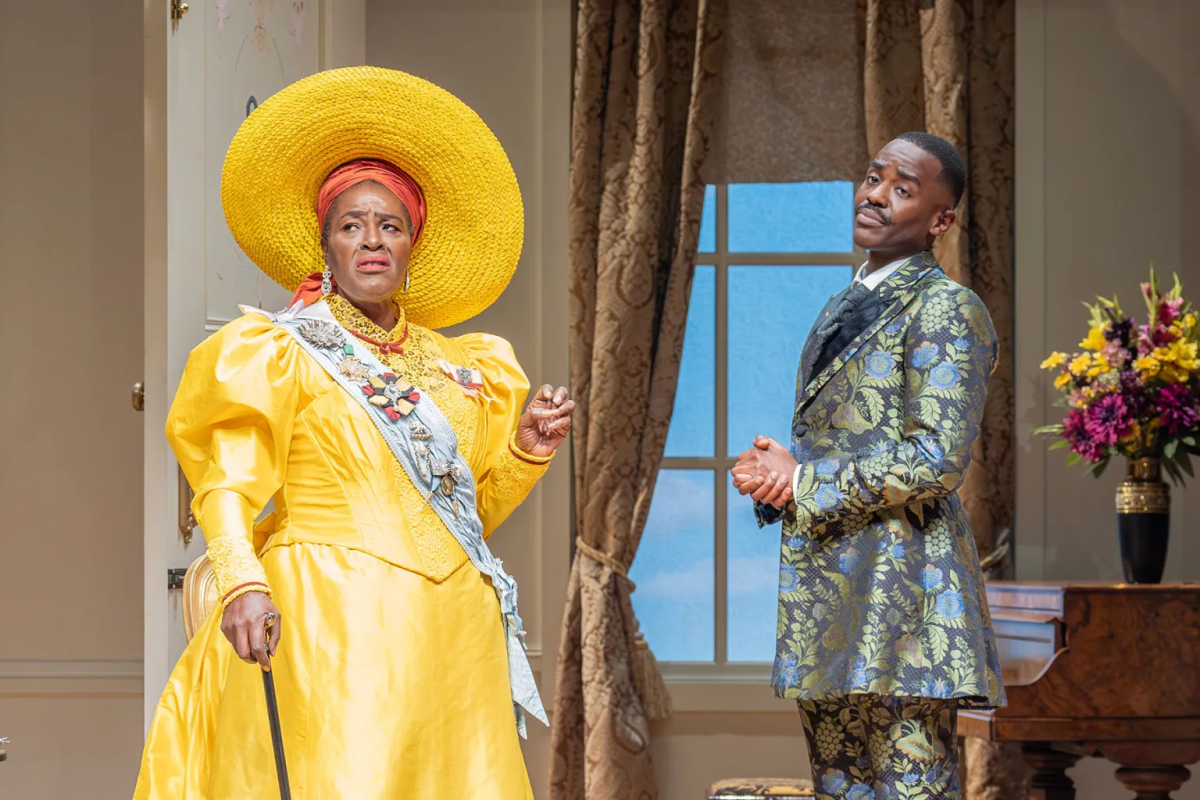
x,y
1107,670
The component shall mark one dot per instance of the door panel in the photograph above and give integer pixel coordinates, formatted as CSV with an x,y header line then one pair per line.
x,y
221,60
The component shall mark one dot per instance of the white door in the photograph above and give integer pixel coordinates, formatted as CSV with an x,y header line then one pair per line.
x,y
218,62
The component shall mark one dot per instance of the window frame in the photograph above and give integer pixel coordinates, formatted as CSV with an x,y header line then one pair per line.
x,y
720,670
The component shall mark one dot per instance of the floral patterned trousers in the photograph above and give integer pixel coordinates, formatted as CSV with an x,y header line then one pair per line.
x,y
867,747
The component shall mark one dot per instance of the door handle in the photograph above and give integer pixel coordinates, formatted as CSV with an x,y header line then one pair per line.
x,y
139,396
187,520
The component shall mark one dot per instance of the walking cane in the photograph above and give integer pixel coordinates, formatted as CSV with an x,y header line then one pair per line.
x,y
285,792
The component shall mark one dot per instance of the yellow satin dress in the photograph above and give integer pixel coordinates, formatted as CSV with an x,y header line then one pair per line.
x,y
391,672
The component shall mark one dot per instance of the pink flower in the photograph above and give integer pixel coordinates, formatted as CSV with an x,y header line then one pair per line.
x,y
1161,337
1075,431
1168,312
1108,420
1177,409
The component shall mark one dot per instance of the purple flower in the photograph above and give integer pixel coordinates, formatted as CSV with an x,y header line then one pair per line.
x,y
1118,331
1177,409
1108,420
1075,431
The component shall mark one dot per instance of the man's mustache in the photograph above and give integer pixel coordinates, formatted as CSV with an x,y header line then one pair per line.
x,y
873,211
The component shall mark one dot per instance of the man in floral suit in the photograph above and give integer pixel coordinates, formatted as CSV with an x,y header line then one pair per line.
x,y
883,629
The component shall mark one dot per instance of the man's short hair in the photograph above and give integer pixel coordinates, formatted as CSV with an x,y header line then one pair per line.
x,y
954,174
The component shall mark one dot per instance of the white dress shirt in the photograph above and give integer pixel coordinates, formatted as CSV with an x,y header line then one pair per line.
x,y
877,277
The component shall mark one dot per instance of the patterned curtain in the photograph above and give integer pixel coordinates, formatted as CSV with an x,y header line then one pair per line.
x,y
947,67
645,86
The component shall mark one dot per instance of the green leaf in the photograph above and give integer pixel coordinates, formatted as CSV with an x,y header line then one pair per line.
x,y
1169,448
1173,471
939,642
1096,468
1045,429
1059,444
1073,459
1190,441
1185,461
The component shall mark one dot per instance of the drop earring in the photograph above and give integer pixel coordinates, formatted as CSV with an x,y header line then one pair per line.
x,y
407,280
326,281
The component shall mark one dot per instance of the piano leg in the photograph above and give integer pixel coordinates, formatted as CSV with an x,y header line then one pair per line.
x,y
1151,770
1050,780
1153,783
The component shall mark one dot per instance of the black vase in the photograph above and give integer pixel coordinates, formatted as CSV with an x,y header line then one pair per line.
x,y
1143,521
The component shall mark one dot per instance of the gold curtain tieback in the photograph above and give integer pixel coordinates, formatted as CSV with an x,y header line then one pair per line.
x,y
600,557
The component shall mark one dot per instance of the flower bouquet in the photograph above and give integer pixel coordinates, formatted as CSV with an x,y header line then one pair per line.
x,y
1132,391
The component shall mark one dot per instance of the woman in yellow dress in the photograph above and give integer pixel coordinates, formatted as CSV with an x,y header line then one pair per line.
x,y
391,453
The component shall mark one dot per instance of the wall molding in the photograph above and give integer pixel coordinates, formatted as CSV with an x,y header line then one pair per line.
x,y
70,678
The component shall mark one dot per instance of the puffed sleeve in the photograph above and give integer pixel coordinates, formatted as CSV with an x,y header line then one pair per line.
x,y
505,475
230,427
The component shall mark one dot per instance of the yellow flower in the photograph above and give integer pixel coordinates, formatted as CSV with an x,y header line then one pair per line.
x,y
1099,365
1189,321
1094,340
1147,365
1184,354
1056,359
1062,380
1173,374
1080,364
1163,354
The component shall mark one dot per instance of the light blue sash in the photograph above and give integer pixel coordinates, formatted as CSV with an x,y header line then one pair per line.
x,y
426,457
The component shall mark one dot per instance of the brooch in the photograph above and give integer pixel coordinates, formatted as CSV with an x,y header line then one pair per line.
x,y
471,380
321,334
392,394
421,437
449,474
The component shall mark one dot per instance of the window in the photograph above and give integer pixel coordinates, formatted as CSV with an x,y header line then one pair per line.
x,y
770,257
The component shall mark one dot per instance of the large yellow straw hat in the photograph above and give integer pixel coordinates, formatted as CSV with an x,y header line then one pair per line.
x,y
285,149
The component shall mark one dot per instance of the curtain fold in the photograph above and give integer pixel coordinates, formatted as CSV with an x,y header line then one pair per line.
x,y
645,85
947,67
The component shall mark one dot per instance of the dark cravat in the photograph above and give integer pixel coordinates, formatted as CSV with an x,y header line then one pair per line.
x,y
849,317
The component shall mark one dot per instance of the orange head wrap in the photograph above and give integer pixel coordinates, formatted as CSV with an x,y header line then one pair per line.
x,y
383,173
352,174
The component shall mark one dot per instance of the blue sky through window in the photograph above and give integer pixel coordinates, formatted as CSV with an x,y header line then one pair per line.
x,y
770,309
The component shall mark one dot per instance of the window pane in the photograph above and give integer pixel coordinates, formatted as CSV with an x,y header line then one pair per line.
x,y
770,312
753,581
693,424
674,568
708,221
791,217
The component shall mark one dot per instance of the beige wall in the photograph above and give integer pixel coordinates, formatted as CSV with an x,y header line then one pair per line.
x,y
70,442
1108,181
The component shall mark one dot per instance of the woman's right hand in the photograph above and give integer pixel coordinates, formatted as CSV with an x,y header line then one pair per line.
x,y
244,624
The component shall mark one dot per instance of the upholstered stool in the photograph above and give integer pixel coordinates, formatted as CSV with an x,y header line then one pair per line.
x,y
759,788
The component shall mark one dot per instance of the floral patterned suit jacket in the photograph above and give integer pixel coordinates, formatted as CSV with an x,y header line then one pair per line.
x,y
880,589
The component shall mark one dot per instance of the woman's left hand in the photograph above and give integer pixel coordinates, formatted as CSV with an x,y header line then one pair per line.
x,y
546,423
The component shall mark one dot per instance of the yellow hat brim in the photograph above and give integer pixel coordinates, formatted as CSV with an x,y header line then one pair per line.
x,y
283,151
